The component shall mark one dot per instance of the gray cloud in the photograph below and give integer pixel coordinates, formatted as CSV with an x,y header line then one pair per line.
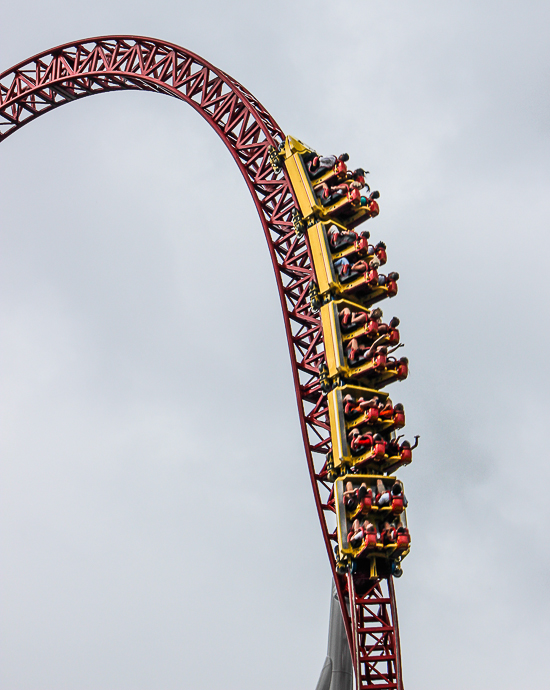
x,y
157,525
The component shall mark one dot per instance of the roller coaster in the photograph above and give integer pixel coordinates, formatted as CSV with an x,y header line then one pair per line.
x,y
328,277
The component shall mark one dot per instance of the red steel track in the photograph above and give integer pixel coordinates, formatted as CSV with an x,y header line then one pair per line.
x,y
116,63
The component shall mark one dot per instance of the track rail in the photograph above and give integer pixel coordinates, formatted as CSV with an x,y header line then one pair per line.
x,y
115,63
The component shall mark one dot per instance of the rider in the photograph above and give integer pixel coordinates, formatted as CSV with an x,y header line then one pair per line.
x,y
321,164
350,320
394,448
385,497
339,238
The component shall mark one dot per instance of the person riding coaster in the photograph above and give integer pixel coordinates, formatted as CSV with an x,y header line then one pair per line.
x,y
360,498
363,443
403,538
387,410
389,534
368,447
398,415
330,194
363,275
380,251
401,367
362,534
354,246
351,320
350,205
319,165
355,408
381,370
358,354
393,498
391,330
396,534
338,238
403,450
386,334
371,414
372,407
392,413
347,270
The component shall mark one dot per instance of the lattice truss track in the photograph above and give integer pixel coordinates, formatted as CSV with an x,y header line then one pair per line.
x,y
116,63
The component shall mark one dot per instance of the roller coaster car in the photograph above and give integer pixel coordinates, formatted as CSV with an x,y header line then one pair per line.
x,y
381,456
365,529
366,287
336,313
371,366
351,209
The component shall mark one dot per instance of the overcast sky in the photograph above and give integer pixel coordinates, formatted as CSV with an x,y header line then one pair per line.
x,y
157,527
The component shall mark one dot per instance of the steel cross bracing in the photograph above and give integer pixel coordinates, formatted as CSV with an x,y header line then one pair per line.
x,y
376,650
115,63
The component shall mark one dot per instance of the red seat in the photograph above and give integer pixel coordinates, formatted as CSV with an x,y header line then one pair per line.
x,y
346,206
379,362
392,288
399,419
397,504
379,449
394,336
361,445
372,414
370,540
403,538
406,454
367,502
373,207
362,245
372,277
354,195
382,256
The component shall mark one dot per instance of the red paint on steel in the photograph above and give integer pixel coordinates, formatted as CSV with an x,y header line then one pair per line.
x,y
376,649
115,63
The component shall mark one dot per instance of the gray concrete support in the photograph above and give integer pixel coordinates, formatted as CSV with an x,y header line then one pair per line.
x,y
337,672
